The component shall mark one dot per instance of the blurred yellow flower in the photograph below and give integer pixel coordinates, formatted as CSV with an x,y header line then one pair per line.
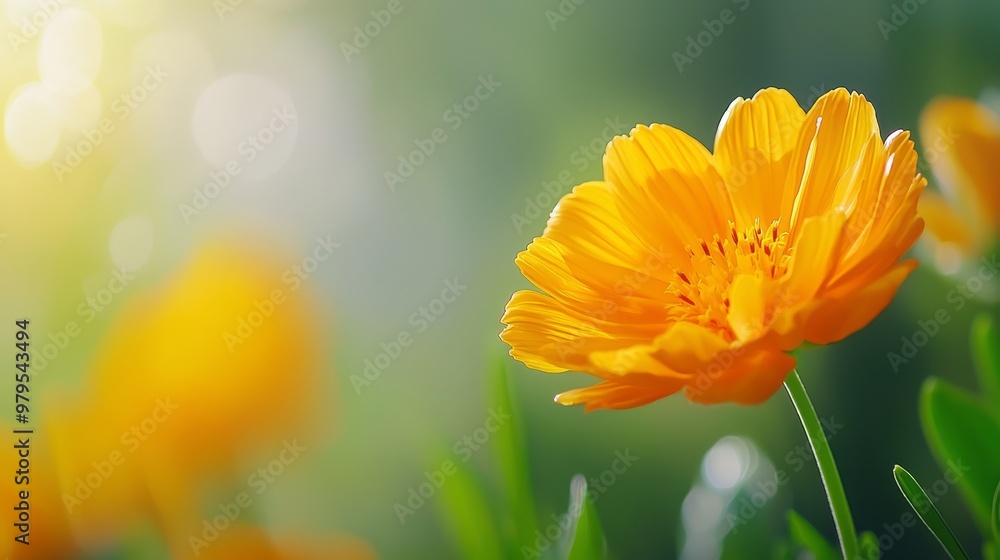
x,y
48,527
214,369
962,144
687,270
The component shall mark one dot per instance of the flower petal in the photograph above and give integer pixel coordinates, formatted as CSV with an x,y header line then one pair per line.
x,y
750,298
629,363
587,222
548,336
588,287
836,319
667,187
748,375
589,261
813,258
753,150
832,138
616,396
964,138
945,223
689,348
883,223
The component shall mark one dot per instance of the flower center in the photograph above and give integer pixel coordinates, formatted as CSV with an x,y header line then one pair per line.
x,y
701,294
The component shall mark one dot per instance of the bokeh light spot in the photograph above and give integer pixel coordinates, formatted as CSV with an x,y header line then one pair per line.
x,y
725,464
703,508
248,119
32,125
69,55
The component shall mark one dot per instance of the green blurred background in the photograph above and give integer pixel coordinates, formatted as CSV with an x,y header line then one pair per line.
x,y
557,82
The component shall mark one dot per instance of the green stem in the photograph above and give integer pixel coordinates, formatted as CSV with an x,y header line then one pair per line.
x,y
827,466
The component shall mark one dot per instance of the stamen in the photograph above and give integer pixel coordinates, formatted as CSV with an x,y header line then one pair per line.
x,y
702,291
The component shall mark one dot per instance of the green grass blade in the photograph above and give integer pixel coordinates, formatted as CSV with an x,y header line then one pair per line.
x,y
928,513
512,455
807,537
466,511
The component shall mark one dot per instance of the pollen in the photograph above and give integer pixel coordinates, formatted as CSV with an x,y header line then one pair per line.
x,y
714,265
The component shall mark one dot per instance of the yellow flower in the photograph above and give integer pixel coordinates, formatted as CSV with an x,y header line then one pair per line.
x,y
197,378
688,270
48,525
962,143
